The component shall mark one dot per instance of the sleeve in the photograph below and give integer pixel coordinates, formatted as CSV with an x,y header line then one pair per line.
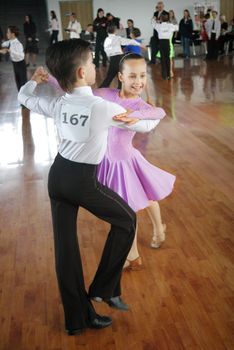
x,y
141,126
95,25
69,25
180,26
218,29
191,26
79,29
175,27
40,105
146,111
5,44
154,23
126,41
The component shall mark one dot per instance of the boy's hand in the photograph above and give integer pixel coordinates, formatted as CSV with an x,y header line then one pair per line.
x,y
40,75
124,117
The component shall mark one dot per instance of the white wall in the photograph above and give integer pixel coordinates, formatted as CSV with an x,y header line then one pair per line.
x,y
140,11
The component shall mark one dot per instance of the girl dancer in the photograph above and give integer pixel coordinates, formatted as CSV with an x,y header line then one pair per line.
x,y
124,169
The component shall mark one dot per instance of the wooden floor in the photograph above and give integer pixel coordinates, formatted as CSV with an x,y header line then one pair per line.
x,y
184,297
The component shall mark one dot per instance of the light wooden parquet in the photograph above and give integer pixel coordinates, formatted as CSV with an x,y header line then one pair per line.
x,y
183,299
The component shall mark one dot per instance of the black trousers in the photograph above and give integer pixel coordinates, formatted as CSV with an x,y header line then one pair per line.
x,y
212,47
164,47
99,48
20,72
154,45
72,185
54,37
112,71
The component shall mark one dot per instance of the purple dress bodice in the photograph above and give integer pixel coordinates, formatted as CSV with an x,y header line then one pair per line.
x,y
119,145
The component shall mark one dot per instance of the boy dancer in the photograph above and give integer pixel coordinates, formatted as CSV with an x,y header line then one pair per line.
x,y
16,50
83,121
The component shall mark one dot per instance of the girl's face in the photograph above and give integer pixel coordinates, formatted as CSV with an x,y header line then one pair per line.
x,y
26,19
133,77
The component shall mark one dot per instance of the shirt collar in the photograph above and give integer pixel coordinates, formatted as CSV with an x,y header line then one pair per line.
x,y
13,40
81,91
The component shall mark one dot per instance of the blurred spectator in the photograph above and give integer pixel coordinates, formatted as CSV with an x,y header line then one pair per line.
x,y
74,27
186,29
31,47
129,29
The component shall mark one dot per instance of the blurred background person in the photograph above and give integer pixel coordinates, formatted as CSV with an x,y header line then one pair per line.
x,y
31,46
129,29
100,27
213,29
186,29
54,27
74,27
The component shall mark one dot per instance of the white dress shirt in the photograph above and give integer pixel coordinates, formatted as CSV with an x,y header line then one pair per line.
x,y
209,27
165,29
113,43
82,120
75,26
16,49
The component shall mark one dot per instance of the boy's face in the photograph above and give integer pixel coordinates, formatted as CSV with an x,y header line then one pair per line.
x,y
10,35
90,71
133,76
90,29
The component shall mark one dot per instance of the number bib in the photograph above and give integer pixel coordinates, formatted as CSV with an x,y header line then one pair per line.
x,y
75,122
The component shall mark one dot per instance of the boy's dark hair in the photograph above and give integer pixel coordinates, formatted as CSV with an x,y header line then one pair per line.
x,y
129,56
164,18
14,29
136,32
64,57
111,29
130,20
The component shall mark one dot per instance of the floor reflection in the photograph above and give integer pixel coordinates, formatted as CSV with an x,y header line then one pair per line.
x,y
30,139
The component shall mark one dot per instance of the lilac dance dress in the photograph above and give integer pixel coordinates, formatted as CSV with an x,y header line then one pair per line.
x,y
123,168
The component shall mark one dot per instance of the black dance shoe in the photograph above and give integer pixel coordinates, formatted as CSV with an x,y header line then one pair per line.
x,y
117,303
98,322
74,331
114,302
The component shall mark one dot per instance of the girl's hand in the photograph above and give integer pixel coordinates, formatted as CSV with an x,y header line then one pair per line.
x,y
40,75
124,117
